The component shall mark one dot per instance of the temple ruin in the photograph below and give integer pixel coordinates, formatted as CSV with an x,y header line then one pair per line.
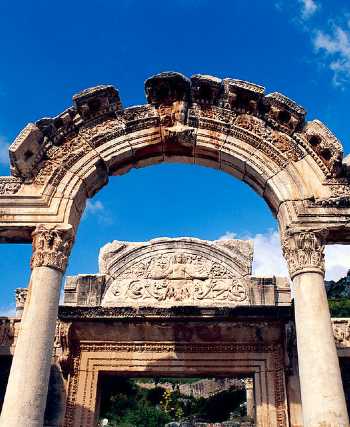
x,y
177,305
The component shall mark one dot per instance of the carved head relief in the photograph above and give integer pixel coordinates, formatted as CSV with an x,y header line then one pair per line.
x,y
182,271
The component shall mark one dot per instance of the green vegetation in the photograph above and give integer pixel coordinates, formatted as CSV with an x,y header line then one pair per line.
x,y
125,404
339,307
338,294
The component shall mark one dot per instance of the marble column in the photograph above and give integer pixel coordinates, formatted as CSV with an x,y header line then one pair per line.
x,y
249,390
26,392
322,395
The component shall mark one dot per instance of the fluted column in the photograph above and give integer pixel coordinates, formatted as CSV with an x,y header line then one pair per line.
x,y
322,395
26,392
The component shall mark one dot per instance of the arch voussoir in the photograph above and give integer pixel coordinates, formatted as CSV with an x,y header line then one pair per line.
x,y
227,124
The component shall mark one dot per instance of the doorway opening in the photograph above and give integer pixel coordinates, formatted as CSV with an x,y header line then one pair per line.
x,y
161,401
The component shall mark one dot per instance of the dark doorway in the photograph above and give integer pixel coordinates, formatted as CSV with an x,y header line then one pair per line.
x,y
172,402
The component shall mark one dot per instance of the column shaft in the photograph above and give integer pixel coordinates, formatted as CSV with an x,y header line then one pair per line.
x,y
322,394
250,402
25,398
26,391
249,392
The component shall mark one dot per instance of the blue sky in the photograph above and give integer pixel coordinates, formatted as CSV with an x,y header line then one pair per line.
x,y
51,50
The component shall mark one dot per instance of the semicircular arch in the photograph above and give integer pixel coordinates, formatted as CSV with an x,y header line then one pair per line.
x,y
229,124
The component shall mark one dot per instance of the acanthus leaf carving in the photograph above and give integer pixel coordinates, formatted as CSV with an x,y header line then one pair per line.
x,y
51,246
303,251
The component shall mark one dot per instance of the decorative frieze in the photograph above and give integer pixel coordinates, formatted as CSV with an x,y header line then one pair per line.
x,y
177,271
226,123
9,185
51,246
303,252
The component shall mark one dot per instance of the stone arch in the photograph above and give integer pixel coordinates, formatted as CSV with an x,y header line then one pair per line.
x,y
231,125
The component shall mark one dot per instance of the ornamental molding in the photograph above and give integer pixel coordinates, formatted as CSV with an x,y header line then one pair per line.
x,y
93,358
71,312
229,124
303,252
178,106
161,347
9,185
51,246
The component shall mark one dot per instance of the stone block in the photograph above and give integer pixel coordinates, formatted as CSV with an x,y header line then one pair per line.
x,y
84,290
97,101
26,151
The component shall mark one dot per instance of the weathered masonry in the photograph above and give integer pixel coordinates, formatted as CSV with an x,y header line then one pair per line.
x,y
264,140
178,306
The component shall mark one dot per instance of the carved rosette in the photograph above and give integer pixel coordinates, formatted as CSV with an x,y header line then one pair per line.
x,y
303,252
51,246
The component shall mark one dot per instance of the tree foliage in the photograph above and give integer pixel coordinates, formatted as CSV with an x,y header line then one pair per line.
x,y
125,404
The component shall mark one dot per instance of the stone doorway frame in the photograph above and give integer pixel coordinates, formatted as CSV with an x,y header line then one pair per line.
x,y
264,362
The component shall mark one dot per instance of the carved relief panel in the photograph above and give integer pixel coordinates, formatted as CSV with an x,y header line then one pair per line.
x,y
169,272
177,272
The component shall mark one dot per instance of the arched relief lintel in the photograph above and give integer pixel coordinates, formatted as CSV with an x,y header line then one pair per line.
x,y
226,124
176,270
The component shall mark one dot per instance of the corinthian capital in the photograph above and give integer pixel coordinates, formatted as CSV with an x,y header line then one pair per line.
x,y
249,383
303,252
51,246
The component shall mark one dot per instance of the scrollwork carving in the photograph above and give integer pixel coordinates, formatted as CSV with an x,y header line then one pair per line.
x,y
303,252
51,246
252,123
9,185
179,277
286,145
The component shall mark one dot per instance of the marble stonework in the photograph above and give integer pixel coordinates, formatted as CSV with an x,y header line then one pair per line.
x,y
171,272
296,166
